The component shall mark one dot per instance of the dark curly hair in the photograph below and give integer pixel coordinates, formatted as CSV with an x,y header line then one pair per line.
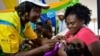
x,y
25,7
82,12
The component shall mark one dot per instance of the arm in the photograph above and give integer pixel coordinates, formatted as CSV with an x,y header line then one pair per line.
x,y
94,48
9,40
91,41
34,52
49,44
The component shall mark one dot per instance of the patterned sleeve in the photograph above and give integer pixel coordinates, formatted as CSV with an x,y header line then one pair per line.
x,y
29,32
9,39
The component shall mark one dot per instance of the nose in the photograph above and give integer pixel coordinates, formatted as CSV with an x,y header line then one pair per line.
x,y
37,14
69,26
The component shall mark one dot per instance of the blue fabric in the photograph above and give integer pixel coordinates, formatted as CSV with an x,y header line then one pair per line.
x,y
51,16
62,26
6,23
33,25
10,24
43,1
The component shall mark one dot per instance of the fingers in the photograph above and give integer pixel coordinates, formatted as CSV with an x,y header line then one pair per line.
x,y
51,41
59,37
62,43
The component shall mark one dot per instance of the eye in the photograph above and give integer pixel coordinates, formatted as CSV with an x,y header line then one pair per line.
x,y
72,23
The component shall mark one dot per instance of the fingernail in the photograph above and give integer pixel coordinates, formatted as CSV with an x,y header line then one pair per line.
x,y
59,45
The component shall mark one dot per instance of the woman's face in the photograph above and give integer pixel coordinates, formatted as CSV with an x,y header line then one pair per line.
x,y
35,14
73,23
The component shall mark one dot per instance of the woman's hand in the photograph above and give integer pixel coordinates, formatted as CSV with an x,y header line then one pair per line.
x,y
62,46
59,37
48,44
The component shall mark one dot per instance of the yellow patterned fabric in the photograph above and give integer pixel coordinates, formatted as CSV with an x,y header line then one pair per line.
x,y
10,37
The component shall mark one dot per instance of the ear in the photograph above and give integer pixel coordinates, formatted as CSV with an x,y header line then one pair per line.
x,y
20,14
83,21
23,14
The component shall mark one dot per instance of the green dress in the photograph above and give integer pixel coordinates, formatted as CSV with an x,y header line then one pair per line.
x,y
1,53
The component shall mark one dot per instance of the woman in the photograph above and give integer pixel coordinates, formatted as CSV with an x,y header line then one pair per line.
x,y
15,28
76,18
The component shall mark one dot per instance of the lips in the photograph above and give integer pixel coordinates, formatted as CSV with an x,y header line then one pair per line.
x,y
72,30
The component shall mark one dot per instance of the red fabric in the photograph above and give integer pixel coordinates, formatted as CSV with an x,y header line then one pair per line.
x,y
85,34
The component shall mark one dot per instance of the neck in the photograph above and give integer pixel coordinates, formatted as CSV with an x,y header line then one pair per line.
x,y
23,22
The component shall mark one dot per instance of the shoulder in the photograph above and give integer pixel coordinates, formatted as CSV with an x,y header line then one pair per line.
x,y
86,35
85,30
